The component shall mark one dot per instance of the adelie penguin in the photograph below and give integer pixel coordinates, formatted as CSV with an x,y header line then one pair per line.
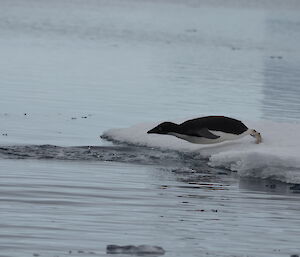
x,y
207,130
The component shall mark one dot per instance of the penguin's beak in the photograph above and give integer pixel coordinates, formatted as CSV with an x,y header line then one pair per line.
x,y
152,131
156,130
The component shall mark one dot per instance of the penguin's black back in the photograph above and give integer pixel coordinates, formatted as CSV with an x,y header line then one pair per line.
x,y
216,123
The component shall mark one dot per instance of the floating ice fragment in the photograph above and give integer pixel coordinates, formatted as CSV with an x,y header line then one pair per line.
x,y
136,250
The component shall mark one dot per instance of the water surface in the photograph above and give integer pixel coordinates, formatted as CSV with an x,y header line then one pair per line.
x,y
70,70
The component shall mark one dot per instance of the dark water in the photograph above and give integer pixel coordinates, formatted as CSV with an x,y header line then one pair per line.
x,y
73,201
72,69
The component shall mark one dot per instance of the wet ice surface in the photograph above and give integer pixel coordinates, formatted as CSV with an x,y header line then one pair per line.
x,y
73,70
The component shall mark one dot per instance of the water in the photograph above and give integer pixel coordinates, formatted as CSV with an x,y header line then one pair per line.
x,y
72,70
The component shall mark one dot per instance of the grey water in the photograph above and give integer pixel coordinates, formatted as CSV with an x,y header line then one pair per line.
x,y
69,70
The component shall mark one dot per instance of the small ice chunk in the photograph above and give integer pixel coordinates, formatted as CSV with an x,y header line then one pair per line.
x,y
137,250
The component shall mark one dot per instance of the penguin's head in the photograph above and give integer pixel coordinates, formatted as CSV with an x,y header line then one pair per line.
x,y
163,128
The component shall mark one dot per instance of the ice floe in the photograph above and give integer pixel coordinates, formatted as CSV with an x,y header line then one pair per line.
x,y
278,157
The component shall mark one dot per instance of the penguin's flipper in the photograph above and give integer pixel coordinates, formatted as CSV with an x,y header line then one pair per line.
x,y
204,132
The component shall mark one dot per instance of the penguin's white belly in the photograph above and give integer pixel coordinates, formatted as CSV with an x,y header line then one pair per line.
x,y
202,140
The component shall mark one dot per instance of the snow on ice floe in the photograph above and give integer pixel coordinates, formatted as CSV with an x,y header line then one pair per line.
x,y
278,157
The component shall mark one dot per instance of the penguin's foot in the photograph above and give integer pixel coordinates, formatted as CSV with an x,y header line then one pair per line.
x,y
257,136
